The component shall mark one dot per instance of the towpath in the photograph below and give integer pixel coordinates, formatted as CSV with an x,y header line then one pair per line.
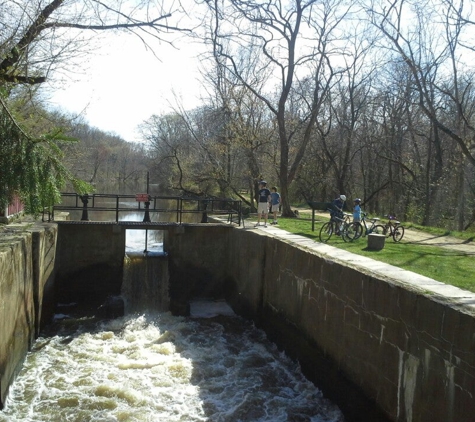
x,y
420,237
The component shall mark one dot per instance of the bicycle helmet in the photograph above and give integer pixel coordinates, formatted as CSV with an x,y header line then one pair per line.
x,y
343,197
263,182
357,200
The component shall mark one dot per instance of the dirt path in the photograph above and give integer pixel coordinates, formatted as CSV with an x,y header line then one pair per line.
x,y
443,241
422,238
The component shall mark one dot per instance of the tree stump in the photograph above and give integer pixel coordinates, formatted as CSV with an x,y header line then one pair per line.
x,y
376,241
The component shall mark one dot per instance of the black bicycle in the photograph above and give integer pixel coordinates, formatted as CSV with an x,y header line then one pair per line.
x,y
341,227
394,229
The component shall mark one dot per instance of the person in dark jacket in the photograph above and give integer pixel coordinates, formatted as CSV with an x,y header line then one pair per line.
x,y
263,200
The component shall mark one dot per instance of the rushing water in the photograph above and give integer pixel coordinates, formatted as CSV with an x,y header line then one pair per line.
x,y
156,367
151,367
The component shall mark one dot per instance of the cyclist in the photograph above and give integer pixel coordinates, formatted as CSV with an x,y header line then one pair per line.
x,y
337,206
337,209
357,210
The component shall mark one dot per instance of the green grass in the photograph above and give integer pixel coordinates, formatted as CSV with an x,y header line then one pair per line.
x,y
447,266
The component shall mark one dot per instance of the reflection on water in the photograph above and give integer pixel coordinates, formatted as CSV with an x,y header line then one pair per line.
x,y
142,240
157,367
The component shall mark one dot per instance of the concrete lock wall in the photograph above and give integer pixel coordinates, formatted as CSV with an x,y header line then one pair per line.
x,y
26,274
355,325
89,262
361,325
197,263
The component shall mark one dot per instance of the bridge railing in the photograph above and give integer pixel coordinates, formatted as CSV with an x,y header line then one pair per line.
x,y
164,209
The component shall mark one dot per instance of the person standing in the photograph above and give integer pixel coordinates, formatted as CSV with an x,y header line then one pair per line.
x,y
275,203
357,211
263,203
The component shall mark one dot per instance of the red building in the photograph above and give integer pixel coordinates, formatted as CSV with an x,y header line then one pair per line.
x,y
14,208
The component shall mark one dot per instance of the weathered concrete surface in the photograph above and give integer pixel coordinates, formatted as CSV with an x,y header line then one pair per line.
x,y
376,241
89,262
90,259
408,342
26,262
44,255
197,263
384,343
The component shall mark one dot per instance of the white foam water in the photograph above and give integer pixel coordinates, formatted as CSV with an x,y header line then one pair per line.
x,y
157,367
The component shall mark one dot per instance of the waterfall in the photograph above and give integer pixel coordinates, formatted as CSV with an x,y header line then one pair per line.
x,y
145,282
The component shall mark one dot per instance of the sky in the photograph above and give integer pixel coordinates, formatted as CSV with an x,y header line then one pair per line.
x,y
124,84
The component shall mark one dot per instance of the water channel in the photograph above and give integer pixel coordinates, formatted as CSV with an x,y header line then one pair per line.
x,y
151,366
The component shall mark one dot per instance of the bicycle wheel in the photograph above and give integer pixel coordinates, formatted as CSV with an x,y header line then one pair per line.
x,y
358,230
398,233
326,232
351,231
379,229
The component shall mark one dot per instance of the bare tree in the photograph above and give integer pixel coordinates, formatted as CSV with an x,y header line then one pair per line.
x,y
431,39
38,36
292,40
170,151
248,130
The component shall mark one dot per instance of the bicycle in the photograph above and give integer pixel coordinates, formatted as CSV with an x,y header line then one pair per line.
x,y
393,228
330,227
372,228
352,230
340,226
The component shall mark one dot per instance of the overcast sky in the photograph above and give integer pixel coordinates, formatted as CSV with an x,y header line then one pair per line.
x,y
125,84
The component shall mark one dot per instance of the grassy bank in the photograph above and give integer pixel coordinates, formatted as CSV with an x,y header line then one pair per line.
x,y
447,266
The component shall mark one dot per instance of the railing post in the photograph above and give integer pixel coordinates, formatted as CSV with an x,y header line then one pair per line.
x,y
204,217
239,207
117,209
85,200
146,217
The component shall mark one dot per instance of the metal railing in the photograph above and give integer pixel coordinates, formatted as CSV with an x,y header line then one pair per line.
x,y
165,209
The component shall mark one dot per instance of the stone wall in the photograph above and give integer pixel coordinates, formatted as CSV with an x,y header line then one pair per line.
x,y
27,254
384,343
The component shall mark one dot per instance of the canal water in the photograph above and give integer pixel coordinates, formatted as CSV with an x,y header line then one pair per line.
x,y
151,366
